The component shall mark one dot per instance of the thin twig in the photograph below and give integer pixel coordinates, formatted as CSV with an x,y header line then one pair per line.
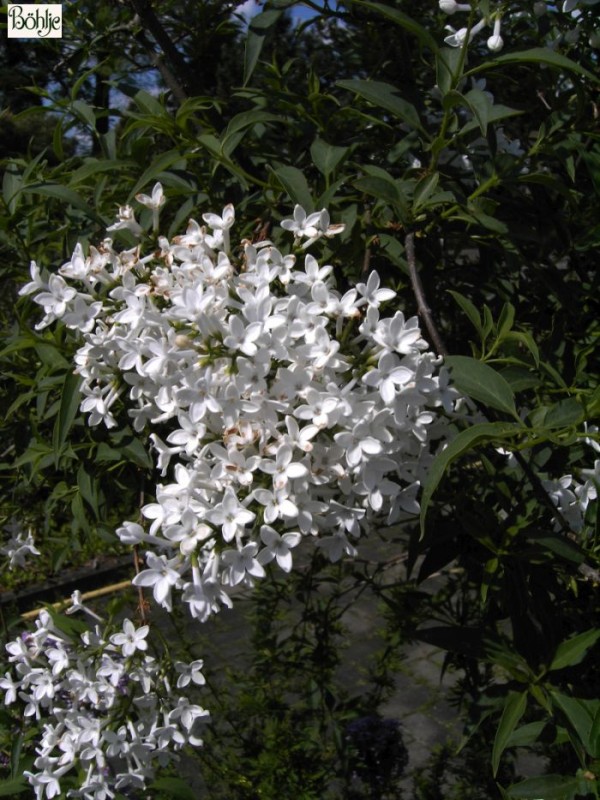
x,y
136,563
422,307
114,587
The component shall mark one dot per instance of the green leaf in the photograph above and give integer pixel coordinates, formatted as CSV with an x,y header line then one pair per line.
x,y
572,651
564,414
93,166
595,736
13,786
240,124
406,22
482,383
447,63
88,489
385,96
160,164
469,308
514,708
294,183
257,31
66,195
148,104
506,319
579,713
526,735
176,788
548,787
85,113
383,189
560,545
12,182
527,340
326,157
465,441
424,189
537,55
69,405
480,104
135,451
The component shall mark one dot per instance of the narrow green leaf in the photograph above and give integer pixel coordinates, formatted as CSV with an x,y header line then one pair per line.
x,y
12,183
148,104
548,787
579,713
537,55
69,405
248,118
424,189
257,31
176,788
482,383
526,735
385,96
382,189
294,183
469,308
93,166
135,451
85,113
13,786
446,65
572,651
506,319
406,22
326,156
560,545
160,164
465,441
15,755
595,736
480,104
65,195
564,414
88,489
527,340
514,708
494,114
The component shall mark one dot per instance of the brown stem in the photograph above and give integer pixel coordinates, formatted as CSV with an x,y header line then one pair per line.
x,y
136,563
425,314
422,307
175,75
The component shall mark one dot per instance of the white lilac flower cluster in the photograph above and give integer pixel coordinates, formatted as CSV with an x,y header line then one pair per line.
x,y
457,38
572,495
289,410
19,546
105,707
495,42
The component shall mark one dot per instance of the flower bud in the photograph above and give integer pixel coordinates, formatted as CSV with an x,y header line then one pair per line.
x,y
495,43
448,6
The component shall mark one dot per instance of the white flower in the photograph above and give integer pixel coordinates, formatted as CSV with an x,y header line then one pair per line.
x,y
278,547
161,576
312,226
131,639
126,220
155,201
